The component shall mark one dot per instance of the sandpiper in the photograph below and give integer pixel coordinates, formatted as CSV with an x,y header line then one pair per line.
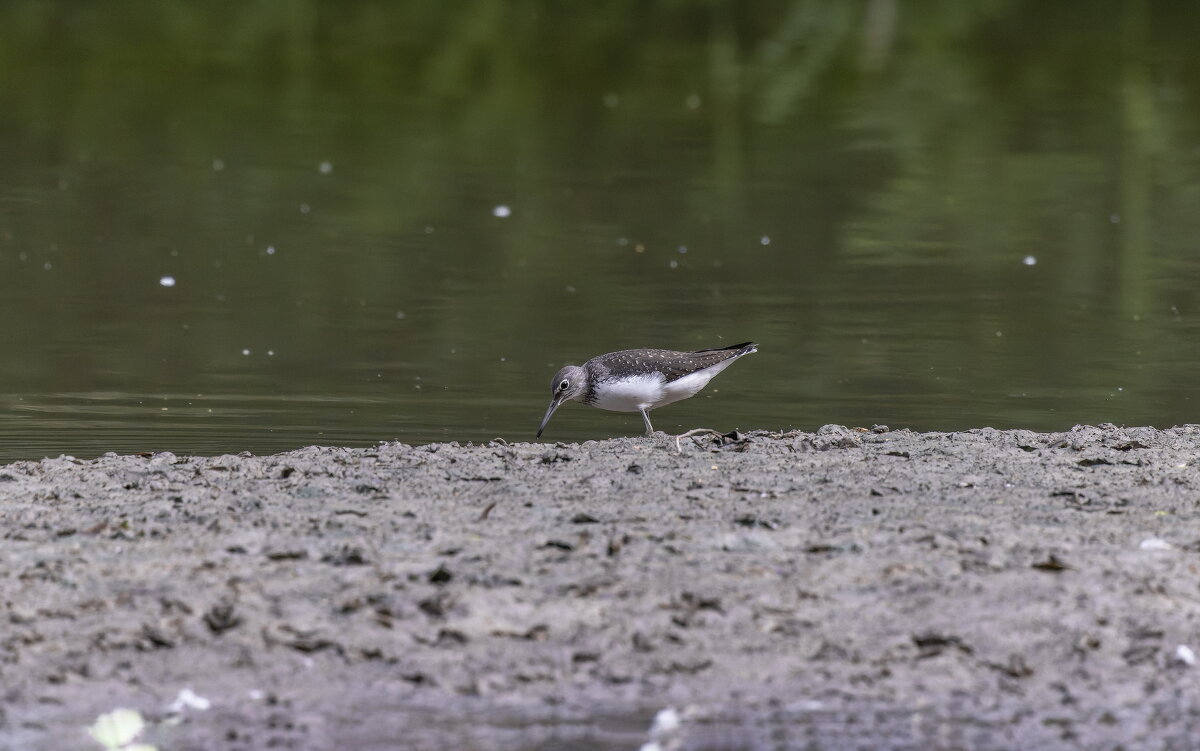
x,y
639,380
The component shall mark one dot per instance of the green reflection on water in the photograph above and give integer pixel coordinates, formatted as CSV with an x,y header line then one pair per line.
x,y
934,215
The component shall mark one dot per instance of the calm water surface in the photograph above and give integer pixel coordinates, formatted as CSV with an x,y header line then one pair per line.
x,y
263,227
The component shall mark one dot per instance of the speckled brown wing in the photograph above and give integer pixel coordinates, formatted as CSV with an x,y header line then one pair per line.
x,y
670,363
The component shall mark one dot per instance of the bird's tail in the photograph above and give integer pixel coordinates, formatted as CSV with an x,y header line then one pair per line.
x,y
744,348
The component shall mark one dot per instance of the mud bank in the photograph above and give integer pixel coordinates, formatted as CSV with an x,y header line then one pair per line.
x,y
831,590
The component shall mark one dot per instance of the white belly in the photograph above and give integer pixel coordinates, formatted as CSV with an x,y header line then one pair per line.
x,y
690,384
651,391
631,394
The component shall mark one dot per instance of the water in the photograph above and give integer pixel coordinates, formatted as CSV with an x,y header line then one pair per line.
x,y
392,222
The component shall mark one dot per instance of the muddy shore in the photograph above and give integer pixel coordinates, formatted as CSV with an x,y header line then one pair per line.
x,y
833,590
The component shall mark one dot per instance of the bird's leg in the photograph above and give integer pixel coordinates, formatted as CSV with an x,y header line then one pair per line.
x,y
646,417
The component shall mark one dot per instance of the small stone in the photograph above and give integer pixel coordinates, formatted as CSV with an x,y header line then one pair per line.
x,y
666,721
440,575
1155,543
1184,656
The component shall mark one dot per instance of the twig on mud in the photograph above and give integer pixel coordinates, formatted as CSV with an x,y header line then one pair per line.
x,y
695,431
487,511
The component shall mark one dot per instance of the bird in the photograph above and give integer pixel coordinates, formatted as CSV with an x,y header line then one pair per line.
x,y
639,380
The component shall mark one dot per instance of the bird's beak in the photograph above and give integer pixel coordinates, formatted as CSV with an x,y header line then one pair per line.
x,y
553,406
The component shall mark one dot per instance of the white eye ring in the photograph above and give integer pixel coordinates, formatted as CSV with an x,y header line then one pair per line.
x,y
563,385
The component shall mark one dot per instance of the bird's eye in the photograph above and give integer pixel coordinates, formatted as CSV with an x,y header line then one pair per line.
x,y
563,386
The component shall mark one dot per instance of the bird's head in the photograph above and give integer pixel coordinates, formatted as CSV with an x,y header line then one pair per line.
x,y
568,383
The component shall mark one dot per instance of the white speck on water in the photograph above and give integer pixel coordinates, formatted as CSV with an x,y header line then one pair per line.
x,y
270,353
1184,655
47,265
305,208
167,281
502,211
23,256
1114,218
218,165
674,264
1120,388
174,252
611,100
682,248
429,229
622,241
399,315
1030,260
692,102
1155,543
270,250
570,288
245,351
999,333
325,168
503,359
764,240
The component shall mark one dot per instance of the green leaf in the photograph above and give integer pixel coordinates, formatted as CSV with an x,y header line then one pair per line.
x,y
117,728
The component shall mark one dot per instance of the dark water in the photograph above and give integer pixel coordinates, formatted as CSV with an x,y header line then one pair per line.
x,y
929,215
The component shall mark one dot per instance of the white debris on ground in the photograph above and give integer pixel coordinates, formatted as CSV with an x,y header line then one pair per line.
x,y
1184,656
1155,543
663,731
188,699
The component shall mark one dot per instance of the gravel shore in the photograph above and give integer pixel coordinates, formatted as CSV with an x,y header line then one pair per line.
x,y
841,589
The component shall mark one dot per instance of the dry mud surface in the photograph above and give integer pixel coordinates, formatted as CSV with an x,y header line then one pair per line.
x,y
843,589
